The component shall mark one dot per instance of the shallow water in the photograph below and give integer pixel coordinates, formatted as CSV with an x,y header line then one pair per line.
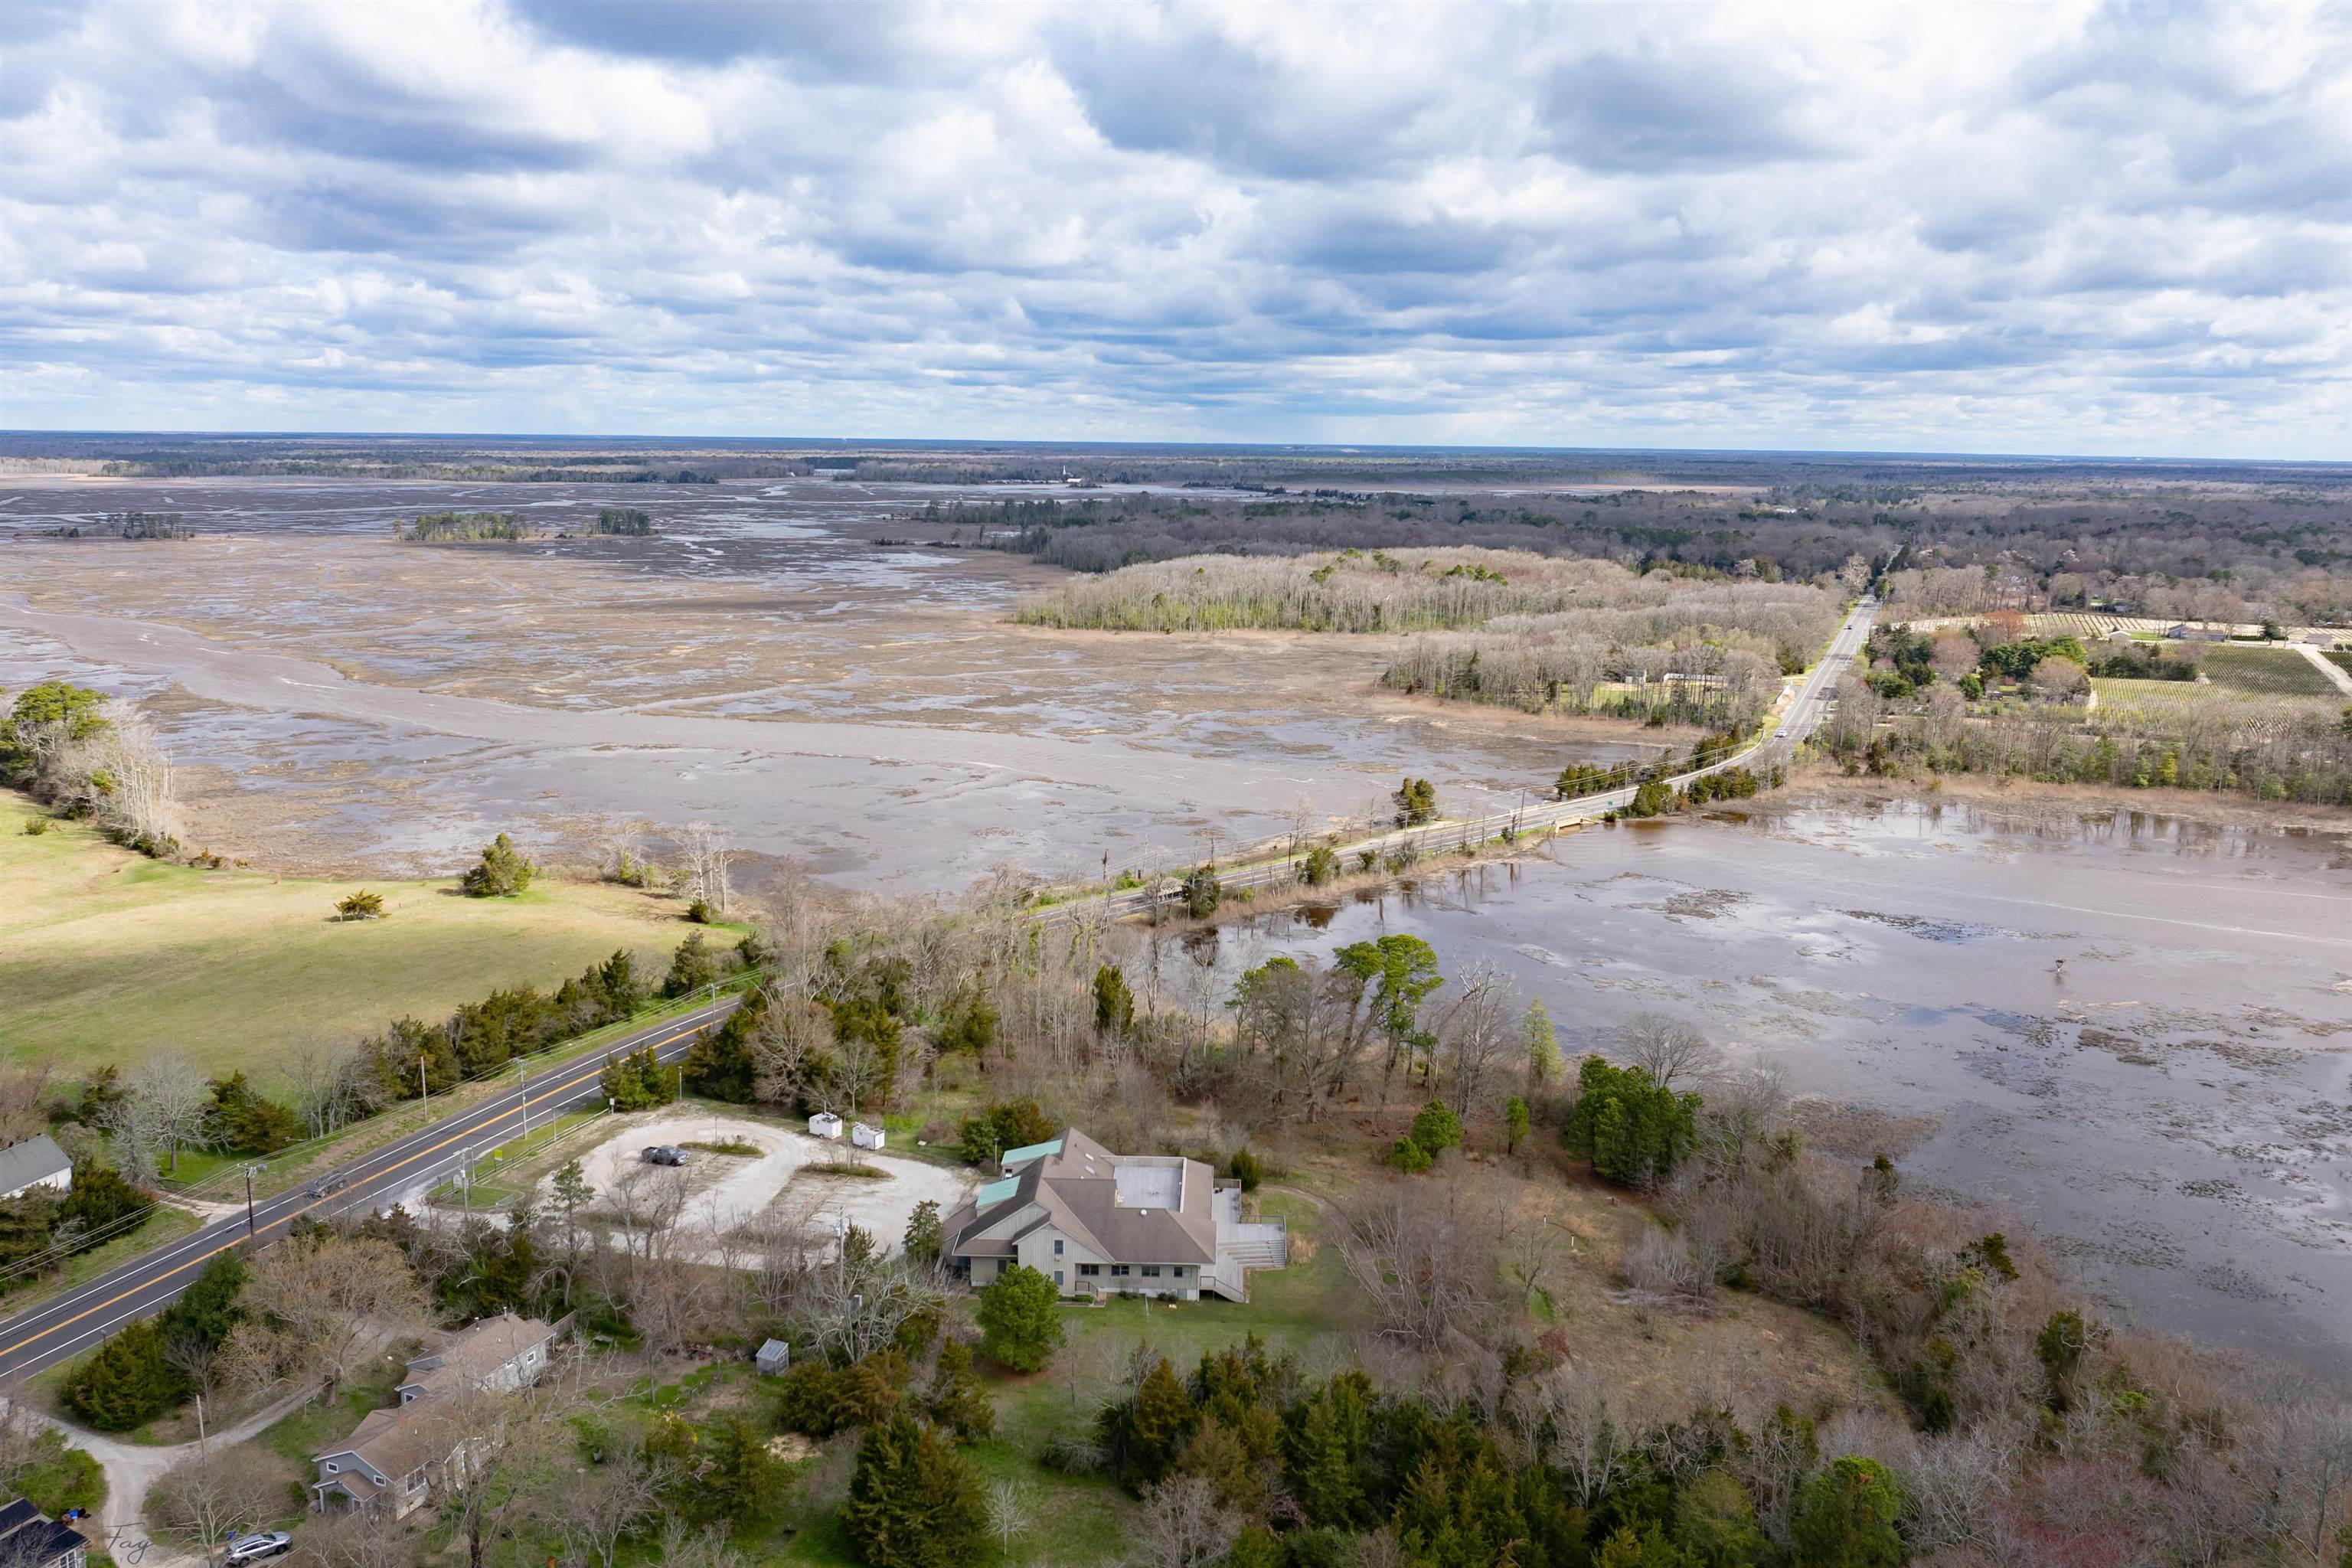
x,y
2170,1110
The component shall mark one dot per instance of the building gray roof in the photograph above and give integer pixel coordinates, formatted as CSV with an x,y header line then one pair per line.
x,y
467,1358
1131,1208
33,1160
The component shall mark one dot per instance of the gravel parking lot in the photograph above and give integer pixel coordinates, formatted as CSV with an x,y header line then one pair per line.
x,y
725,1192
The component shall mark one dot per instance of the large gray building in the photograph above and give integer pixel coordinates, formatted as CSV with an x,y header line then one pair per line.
x,y
1095,1222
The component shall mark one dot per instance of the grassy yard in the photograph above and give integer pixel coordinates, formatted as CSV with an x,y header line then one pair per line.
x,y
105,954
2340,657
162,1225
2265,671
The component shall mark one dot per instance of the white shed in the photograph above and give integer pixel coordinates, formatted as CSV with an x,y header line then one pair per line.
x,y
774,1358
865,1137
825,1124
36,1163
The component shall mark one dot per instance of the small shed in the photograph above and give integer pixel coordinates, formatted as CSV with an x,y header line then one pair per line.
x,y
774,1358
35,1162
865,1137
825,1124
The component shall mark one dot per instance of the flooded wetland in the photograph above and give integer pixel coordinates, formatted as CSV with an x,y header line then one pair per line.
x,y
2130,1032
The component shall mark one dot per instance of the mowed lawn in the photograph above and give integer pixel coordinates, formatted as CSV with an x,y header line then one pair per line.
x,y
105,954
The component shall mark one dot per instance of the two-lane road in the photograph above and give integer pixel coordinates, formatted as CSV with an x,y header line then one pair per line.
x,y
67,1324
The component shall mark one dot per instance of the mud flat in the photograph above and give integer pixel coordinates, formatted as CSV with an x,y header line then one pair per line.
x,y
342,703
2170,1110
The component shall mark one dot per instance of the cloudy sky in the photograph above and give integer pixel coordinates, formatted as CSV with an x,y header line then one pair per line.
x,y
2057,228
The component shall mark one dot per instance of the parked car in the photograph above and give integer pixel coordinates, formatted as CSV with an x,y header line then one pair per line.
x,y
253,1548
664,1155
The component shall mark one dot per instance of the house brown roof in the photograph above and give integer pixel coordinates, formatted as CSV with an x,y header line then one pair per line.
x,y
1076,1188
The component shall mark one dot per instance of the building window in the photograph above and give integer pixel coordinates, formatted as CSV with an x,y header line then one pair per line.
x,y
1152,1272
1089,1270
1119,1270
1058,1247
1058,1278
332,1467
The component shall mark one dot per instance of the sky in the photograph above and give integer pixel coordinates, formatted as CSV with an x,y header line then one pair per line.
x,y
2054,227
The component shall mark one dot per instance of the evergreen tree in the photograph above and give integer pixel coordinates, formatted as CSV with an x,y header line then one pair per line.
x,y
1436,1128
693,966
1542,1041
1114,1003
128,1383
1515,1123
208,1308
1631,1130
719,1065
1146,1434
742,1483
913,1501
956,1400
1845,1518
1715,1523
925,1234
503,873
1020,1323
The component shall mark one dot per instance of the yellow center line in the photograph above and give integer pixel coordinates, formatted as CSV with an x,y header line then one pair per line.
x,y
298,1214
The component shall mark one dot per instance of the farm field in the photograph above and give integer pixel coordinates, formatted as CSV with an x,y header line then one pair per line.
x,y
106,954
2265,671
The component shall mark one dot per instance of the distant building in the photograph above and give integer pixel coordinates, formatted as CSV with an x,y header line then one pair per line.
x,y
2197,631
866,1137
31,1538
390,1464
35,1162
825,1124
1096,1223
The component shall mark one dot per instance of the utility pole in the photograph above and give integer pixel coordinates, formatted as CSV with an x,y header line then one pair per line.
x,y
423,1091
522,1092
249,1170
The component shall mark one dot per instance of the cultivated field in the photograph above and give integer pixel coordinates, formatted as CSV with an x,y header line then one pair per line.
x,y
105,954
2265,671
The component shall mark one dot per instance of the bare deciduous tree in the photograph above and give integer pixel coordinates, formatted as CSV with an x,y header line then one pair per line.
x,y
706,858
1666,1048
593,1509
1478,1035
316,1306
162,1111
1422,1255
1182,1525
1011,1509
207,1495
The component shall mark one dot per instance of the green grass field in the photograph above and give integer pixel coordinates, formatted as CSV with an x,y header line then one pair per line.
x,y
2265,671
2341,658
105,954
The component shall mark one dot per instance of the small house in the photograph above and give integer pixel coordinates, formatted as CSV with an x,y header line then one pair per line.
x,y
825,1124
775,1358
31,1538
498,1354
35,1162
866,1137
390,1465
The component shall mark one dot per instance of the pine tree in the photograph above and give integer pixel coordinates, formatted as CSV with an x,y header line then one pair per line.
x,y
128,1381
743,1482
1158,1422
913,1501
503,873
956,1400
1114,1003
1514,1123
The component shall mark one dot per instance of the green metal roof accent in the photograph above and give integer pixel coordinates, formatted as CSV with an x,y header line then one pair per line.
x,y
1029,1152
996,1192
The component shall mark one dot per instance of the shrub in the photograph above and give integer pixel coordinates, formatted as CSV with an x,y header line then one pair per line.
x,y
957,1399
699,912
54,1477
502,873
37,826
1007,1124
1020,1324
1114,1003
128,1383
1650,799
1409,1157
360,906
1321,866
1244,1168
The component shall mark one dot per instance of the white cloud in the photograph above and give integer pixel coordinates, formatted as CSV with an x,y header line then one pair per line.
x,y
2071,226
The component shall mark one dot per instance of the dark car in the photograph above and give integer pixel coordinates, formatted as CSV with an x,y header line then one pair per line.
x,y
328,1188
664,1155
253,1548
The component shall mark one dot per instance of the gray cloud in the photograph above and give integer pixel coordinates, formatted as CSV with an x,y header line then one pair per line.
x,y
2083,226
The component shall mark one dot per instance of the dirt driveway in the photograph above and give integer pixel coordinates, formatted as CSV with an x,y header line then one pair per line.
x,y
725,1192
